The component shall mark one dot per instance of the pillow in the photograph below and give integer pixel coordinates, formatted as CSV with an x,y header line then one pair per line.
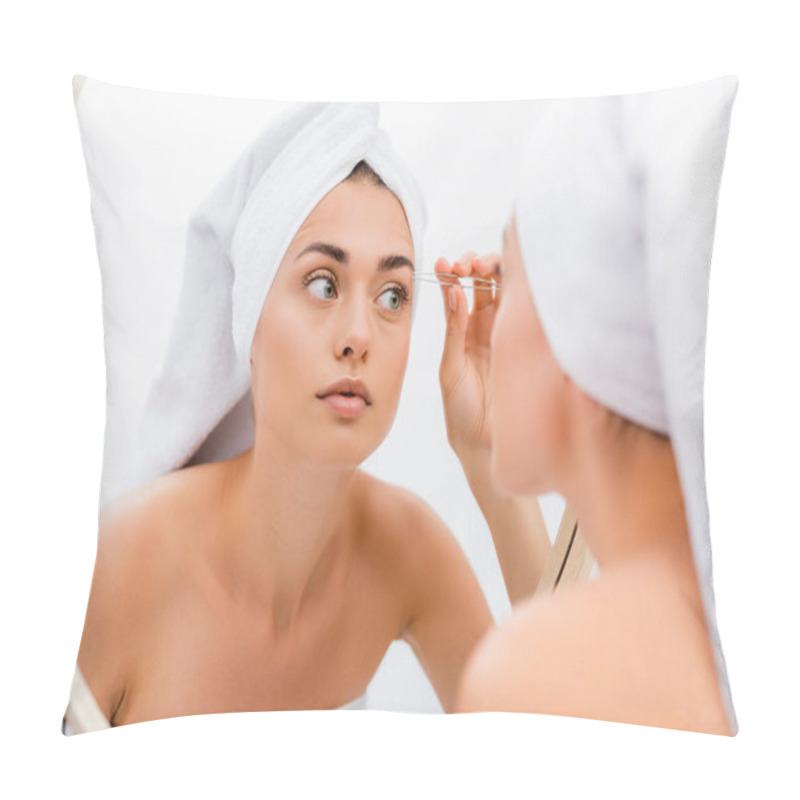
x,y
248,562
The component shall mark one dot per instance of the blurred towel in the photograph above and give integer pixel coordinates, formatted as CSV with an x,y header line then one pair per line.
x,y
615,220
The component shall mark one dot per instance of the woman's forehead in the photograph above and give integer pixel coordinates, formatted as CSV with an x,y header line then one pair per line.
x,y
354,224
355,200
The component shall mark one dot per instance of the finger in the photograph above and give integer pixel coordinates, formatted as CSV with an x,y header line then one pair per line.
x,y
464,264
442,265
455,338
486,265
444,269
486,268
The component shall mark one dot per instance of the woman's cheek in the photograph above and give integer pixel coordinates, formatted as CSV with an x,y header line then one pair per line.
x,y
518,397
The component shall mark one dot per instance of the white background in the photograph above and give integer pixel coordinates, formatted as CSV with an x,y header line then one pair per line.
x,y
53,393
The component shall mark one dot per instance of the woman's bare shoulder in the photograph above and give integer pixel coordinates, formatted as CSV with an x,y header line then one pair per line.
x,y
623,648
399,521
137,546
418,553
151,517
442,610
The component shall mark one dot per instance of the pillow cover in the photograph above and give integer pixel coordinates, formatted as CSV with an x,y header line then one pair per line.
x,y
293,513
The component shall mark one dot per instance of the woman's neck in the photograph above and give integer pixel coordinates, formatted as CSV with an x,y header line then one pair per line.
x,y
287,526
625,489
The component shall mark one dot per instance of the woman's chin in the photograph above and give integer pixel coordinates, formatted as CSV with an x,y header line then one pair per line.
x,y
342,443
345,455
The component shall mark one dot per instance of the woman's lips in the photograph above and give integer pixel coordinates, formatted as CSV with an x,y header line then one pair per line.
x,y
348,407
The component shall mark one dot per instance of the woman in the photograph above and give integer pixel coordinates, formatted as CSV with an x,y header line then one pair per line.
x,y
589,354
278,577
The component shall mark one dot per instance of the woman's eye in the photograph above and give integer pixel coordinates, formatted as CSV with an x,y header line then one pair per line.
x,y
325,288
397,297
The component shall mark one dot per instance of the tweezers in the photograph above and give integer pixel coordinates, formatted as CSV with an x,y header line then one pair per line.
x,y
473,282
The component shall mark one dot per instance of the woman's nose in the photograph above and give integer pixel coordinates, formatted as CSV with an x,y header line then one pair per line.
x,y
356,335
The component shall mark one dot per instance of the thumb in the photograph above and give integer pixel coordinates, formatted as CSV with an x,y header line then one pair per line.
x,y
455,337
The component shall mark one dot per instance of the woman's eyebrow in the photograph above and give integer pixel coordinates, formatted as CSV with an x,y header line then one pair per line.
x,y
336,253
343,257
394,262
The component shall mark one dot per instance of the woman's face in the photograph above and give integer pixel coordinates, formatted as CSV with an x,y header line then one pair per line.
x,y
339,308
526,385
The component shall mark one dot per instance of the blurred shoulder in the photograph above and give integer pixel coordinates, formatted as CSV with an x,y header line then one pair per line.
x,y
623,648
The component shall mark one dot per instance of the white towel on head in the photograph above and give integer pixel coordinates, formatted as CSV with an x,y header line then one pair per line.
x,y
236,241
615,220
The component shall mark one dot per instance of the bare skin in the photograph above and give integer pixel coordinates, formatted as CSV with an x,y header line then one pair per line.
x,y
632,645
278,579
173,629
